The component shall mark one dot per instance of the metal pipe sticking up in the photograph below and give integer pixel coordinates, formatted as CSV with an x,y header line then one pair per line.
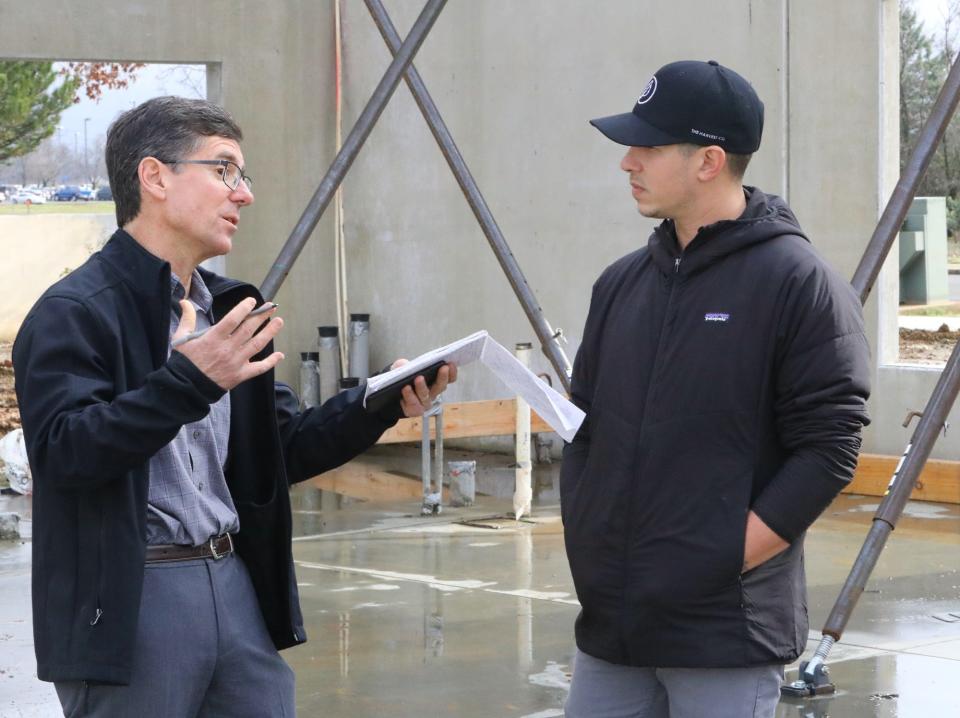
x,y
549,338
814,674
309,379
351,147
328,362
431,474
359,345
523,478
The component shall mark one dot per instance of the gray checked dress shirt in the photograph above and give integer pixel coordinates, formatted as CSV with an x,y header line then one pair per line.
x,y
188,500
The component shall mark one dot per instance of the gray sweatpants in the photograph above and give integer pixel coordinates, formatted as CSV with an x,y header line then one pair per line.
x,y
605,690
202,649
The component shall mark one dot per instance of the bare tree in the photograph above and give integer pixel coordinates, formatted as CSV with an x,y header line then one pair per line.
x,y
925,61
193,77
48,162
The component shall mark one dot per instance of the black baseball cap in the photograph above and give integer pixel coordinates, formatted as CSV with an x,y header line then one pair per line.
x,y
702,103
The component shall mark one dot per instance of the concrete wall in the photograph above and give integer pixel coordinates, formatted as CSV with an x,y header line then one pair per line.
x,y
516,83
269,63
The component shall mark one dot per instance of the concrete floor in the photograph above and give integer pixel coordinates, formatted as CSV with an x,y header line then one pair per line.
x,y
411,616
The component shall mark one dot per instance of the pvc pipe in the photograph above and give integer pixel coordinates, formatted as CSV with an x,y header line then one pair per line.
x,y
523,491
359,345
329,362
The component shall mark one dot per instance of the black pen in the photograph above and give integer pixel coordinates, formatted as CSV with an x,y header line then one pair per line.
x,y
262,309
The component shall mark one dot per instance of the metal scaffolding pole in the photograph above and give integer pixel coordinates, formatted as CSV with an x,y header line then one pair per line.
x,y
549,339
896,210
351,147
814,676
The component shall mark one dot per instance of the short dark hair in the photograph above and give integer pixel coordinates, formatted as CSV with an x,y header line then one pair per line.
x,y
736,164
167,128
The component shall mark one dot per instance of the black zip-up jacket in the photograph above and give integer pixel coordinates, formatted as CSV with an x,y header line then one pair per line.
x,y
731,377
98,397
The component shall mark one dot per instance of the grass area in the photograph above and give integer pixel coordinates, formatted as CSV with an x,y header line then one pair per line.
x,y
939,310
59,208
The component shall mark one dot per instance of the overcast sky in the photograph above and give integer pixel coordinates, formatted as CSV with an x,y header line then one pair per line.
x,y
931,13
152,81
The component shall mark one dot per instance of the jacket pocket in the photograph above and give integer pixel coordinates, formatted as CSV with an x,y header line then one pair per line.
x,y
774,606
594,500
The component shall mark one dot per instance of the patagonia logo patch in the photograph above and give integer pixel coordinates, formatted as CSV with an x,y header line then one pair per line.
x,y
716,317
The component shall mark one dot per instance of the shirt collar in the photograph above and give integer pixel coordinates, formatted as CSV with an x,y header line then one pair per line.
x,y
199,294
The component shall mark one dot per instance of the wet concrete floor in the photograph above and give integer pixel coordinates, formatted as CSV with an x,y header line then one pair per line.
x,y
412,616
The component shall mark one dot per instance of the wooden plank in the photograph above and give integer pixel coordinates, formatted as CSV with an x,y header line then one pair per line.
x,y
939,480
468,419
370,482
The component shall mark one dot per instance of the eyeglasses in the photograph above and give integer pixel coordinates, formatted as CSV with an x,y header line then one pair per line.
x,y
230,172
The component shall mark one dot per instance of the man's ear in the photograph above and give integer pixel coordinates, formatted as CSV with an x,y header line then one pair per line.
x,y
713,160
152,174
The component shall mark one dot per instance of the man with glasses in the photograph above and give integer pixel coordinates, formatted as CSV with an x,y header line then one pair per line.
x,y
163,581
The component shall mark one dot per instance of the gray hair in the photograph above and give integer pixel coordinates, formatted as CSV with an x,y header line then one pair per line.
x,y
167,128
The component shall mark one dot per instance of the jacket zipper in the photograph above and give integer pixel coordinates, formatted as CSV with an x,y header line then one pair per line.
x,y
98,614
643,421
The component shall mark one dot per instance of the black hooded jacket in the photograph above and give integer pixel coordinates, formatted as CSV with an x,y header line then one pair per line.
x,y
729,377
98,397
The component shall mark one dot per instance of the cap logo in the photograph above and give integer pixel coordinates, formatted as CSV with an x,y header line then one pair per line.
x,y
648,91
708,135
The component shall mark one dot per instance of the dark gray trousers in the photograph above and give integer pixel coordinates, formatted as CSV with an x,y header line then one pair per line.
x,y
605,690
202,651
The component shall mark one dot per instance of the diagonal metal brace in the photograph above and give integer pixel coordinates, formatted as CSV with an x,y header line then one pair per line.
x,y
549,338
932,418
351,148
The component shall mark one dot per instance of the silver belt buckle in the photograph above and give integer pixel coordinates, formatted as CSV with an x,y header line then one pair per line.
x,y
213,547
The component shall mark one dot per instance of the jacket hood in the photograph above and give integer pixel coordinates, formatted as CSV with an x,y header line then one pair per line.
x,y
766,216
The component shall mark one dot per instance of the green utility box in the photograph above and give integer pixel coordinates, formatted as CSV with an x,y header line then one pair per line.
x,y
923,252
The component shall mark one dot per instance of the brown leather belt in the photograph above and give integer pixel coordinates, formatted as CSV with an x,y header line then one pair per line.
x,y
216,548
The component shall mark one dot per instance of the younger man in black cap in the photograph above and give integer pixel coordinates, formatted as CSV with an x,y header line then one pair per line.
x,y
724,373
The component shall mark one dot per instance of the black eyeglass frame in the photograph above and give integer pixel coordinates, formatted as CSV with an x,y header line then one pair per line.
x,y
245,178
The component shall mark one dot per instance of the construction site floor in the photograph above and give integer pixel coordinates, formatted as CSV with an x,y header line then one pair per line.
x,y
470,613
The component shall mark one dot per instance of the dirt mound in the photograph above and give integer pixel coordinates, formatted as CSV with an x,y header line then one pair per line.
x,y
9,414
920,346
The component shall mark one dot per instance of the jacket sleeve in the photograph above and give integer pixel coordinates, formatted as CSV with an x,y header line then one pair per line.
x,y
324,437
822,386
80,433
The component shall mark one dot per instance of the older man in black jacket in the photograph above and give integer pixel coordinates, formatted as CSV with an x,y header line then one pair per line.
x,y
724,373
163,580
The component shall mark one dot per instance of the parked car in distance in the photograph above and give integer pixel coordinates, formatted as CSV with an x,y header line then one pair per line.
x,y
71,193
2,196
26,197
105,194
